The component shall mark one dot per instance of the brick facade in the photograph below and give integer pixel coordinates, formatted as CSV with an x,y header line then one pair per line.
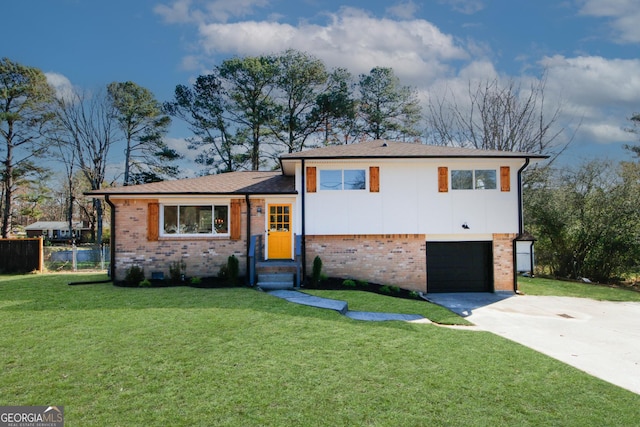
x,y
398,259
203,256
503,267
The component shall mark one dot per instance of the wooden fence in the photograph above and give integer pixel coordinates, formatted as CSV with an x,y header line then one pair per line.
x,y
21,255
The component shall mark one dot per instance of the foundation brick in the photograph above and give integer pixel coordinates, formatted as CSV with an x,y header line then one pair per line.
x,y
503,268
398,259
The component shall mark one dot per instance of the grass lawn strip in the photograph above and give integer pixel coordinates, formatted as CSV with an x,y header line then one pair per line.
x,y
229,357
368,301
551,287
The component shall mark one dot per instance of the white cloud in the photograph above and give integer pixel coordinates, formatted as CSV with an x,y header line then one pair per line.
x,y
594,80
177,13
405,10
468,7
600,92
605,132
62,85
200,11
416,49
624,15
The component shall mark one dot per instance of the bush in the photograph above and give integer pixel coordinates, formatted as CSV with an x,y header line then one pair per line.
x,y
195,280
316,272
349,283
233,268
146,283
177,271
134,275
389,289
362,283
223,273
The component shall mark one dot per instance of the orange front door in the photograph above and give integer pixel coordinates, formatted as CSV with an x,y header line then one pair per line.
x,y
279,232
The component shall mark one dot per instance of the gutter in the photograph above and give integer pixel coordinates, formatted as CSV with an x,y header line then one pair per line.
x,y
303,243
248,243
520,225
112,243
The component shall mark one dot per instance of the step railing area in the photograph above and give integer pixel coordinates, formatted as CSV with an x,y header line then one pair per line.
x,y
256,255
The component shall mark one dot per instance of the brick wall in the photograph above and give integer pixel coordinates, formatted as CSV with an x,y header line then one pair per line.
x,y
398,259
503,261
203,256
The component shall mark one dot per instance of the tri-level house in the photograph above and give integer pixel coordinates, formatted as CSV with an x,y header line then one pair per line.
x,y
421,217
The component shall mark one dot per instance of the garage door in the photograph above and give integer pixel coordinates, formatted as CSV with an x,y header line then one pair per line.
x,y
459,267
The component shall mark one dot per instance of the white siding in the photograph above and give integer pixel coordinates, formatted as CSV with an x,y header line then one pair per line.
x,y
409,201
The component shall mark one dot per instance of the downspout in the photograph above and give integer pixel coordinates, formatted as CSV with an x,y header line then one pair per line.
x,y
520,225
303,250
248,244
112,243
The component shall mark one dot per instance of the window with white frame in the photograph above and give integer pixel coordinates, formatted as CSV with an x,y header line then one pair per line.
x,y
195,219
478,179
343,179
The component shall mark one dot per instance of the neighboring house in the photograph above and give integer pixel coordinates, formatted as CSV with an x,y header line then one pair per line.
x,y
426,218
58,231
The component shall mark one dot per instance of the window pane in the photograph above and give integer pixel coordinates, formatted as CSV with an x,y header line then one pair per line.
x,y
170,219
222,219
331,180
195,219
485,179
461,180
354,179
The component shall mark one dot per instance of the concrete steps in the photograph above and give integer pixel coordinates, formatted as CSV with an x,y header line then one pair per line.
x,y
276,281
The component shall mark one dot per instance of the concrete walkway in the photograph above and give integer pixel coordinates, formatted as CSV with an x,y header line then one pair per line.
x,y
342,307
601,338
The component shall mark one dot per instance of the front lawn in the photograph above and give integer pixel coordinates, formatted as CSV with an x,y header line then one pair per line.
x,y
238,357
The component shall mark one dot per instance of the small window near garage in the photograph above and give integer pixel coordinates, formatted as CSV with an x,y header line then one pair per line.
x,y
479,179
338,179
186,220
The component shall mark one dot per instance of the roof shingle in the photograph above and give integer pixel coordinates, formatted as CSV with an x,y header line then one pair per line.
x,y
254,182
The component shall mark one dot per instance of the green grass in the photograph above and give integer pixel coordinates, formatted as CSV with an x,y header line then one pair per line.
x,y
551,287
368,301
237,357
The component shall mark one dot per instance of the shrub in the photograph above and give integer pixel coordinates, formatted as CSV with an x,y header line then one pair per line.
x,y
414,294
316,272
233,267
223,273
134,275
349,283
146,283
389,289
195,280
177,271
362,283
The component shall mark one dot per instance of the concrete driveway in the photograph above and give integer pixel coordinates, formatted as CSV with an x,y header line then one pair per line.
x,y
601,338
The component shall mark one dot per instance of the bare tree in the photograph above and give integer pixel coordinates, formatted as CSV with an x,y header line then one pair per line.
x,y
497,116
88,129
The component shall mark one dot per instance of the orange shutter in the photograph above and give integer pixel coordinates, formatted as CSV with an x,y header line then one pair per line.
x,y
374,179
236,220
443,179
505,178
153,222
311,179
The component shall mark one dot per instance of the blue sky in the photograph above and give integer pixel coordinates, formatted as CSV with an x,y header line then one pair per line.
x,y
590,49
